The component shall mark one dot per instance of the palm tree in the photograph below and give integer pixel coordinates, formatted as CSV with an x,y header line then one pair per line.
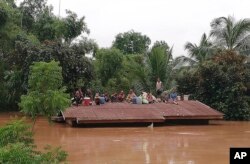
x,y
155,64
158,60
230,34
202,51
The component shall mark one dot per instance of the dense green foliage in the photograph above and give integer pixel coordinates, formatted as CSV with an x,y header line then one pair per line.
x,y
222,77
45,96
137,71
220,83
188,81
109,62
17,146
32,33
15,131
111,70
3,90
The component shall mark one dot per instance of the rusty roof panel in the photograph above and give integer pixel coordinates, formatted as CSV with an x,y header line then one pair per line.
x,y
158,111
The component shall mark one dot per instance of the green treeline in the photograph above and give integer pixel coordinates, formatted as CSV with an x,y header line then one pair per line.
x,y
216,71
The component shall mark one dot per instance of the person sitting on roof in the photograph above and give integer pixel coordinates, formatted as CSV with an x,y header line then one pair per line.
x,y
106,97
121,96
173,96
151,99
165,96
97,99
114,97
144,97
78,97
89,94
130,96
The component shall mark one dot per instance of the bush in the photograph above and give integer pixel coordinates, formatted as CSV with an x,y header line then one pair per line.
x,y
14,132
17,146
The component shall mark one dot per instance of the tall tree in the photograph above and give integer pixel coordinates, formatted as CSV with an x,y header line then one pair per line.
x,y
74,26
45,25
230,34
132,42
9,25
30,10
86,46
202,51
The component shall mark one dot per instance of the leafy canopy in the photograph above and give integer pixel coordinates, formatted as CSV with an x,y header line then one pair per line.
x,y
45,96
108,63
132,42
220,83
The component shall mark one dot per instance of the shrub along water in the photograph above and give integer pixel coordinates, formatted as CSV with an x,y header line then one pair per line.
x,y
17,146
45,96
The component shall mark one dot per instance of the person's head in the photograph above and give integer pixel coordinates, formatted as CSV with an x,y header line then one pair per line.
x,y
131,91
158,79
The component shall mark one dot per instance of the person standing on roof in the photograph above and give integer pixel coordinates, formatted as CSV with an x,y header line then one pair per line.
x,y
159,87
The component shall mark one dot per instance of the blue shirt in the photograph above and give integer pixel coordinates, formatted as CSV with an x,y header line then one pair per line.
x,y
173,95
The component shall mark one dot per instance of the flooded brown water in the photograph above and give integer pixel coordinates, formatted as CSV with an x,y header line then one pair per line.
x,y
193,144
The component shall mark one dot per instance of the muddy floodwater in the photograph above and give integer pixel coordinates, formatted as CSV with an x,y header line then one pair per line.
x,y
190,144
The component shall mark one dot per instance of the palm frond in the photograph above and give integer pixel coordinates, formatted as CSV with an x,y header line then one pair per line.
x,y
202,51
183,61
230,34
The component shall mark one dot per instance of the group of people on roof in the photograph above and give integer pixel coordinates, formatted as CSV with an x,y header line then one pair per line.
x,y
131,97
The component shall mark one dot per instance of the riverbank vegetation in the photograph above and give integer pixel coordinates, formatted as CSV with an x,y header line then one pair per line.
x,y
17,146
217,71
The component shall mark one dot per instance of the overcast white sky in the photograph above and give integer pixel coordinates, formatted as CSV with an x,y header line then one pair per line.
x,y
175,21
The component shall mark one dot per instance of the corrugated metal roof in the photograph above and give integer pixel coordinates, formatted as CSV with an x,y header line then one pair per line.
x,y
125,112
